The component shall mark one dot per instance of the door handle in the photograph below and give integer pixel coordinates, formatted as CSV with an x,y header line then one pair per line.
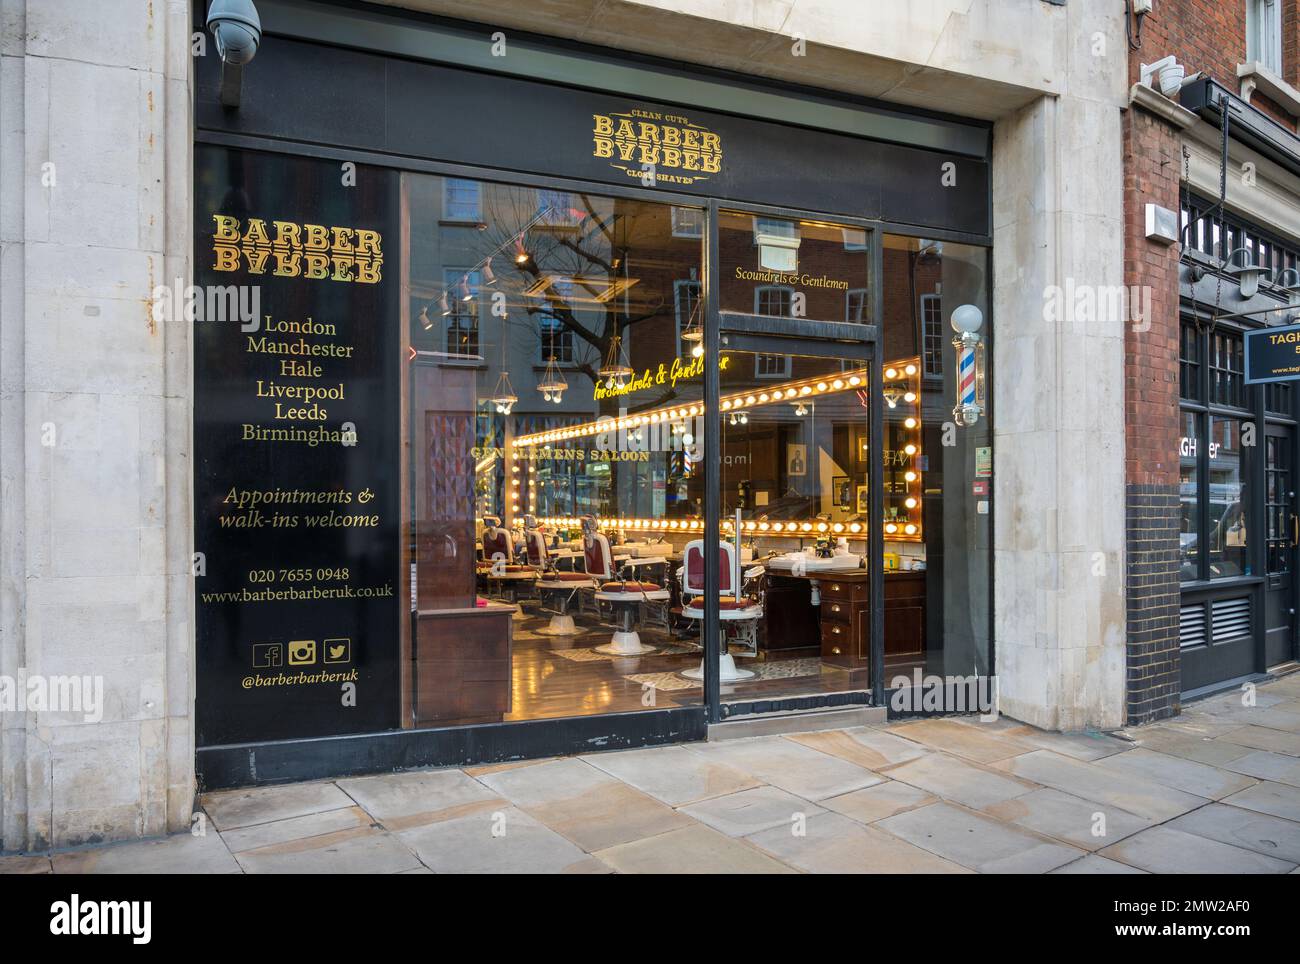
x,y
1295,530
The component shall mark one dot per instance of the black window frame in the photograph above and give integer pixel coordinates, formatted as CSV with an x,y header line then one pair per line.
x,y
1201,398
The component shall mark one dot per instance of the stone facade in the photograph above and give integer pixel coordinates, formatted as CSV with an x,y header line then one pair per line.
x,y
94,416
95,530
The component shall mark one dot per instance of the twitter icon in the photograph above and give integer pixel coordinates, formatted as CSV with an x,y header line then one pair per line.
x,y
338,650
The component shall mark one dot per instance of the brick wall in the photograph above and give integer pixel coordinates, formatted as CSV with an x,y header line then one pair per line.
x,y
1210,36
1152,169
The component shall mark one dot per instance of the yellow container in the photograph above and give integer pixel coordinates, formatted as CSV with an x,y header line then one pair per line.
x,y
891,561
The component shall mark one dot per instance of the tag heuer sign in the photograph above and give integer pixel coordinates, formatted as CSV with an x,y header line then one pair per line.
x,y
645,141
1273,355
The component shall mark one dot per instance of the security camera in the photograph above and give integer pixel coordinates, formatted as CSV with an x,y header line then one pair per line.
x,y
237,30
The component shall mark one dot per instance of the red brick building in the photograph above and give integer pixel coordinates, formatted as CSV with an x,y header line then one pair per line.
x,y
1211,460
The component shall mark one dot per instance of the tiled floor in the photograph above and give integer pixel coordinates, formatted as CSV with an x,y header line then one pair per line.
x,y
1215,790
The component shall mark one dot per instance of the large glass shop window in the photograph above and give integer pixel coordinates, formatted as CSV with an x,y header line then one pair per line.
x,y
555,431
939,467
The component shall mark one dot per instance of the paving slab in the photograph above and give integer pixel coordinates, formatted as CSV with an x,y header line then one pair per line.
x,y
546,782
295,828
1266,765
953,779
1080,746
1260,832
1277,799
977,842
181,853
26,864
960,739
1090,781
506,842
865,746
691,850
1264,738
672,774
1069,818
243,808
1164,850
1092,864
367,850
1202,749
793,767
401,800
751,811
876,803
1172,771
584,804
834,844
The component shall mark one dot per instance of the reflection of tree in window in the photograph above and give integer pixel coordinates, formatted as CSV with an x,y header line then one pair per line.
x,y
570,271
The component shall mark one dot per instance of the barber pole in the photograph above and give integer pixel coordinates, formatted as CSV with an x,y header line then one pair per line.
x,y
966,321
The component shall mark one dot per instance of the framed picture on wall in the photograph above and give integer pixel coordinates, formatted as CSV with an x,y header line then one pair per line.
x,y
842,486
796,459
864,501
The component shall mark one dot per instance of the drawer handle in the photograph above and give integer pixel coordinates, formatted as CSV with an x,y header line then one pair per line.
x,y
835,651
835,588
836,630
835,609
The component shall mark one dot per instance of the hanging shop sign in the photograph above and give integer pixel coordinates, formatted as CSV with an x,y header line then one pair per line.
x,y
296,452
1273,355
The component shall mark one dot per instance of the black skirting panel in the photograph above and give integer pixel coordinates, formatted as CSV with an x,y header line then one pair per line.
x,y
255,764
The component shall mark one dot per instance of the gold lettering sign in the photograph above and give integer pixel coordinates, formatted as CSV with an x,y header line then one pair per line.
x,y
639,142
290,250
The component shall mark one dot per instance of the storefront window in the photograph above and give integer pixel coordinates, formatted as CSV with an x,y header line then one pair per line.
x,y
938,557
1215,456
1189,497
790,268
568,390
1229,491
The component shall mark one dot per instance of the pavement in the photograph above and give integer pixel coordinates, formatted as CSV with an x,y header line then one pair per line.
x,y
1215,790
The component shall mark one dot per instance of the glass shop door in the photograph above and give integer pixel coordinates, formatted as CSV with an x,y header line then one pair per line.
x,y
792,584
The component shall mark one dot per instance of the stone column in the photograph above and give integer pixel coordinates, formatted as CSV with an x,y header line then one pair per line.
x,y
1058,391
95,534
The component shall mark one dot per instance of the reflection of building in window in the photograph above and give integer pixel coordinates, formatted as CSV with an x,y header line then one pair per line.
x,y
931,335
773,300
771,366
686,298
856,307
460,199
778,244
778,301
462,320
688,223
556,340
556,209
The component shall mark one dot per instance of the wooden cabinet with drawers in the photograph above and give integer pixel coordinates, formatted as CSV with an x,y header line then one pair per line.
x,y
846,619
